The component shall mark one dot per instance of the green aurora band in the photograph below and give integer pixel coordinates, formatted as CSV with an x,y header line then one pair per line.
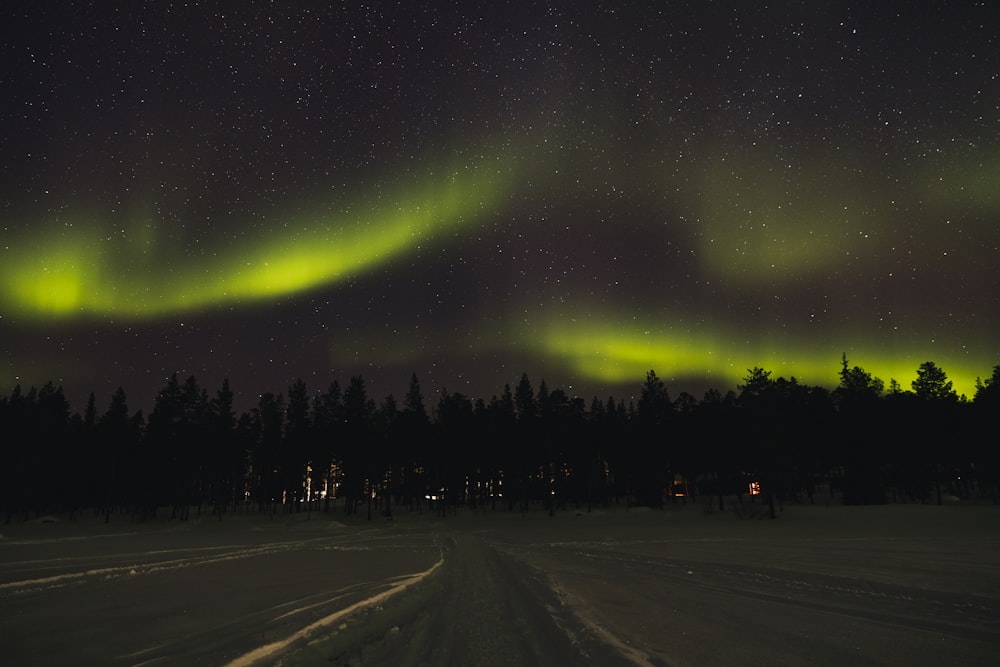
x,y
78,271
762,225
606,350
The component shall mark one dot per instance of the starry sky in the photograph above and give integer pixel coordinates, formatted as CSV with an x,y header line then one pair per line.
x,y
582,191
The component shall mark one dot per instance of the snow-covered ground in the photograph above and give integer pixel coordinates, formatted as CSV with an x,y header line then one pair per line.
x,y
901,584
848,585
202,592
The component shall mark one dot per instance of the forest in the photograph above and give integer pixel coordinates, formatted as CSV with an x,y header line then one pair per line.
x,y
769,442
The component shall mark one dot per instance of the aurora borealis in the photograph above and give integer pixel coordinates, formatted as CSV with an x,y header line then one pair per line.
x,y
580,191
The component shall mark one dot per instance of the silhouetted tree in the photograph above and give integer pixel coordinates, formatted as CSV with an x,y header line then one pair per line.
x,y
863,436
755,387
53,425
387,453
985,452
936,402
193,431
328,421
565,432
649,463
81,465
226,458
719,444
296,446
545,433
857,386
524,399
14,461
760,397
270,417
504,453
932,384
454,427
412,455
246,446
525,442
989,391
119,454
547,448
173,451
359,412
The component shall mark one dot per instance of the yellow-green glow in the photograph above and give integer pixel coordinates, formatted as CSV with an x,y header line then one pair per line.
x,y
618,353
765,217
77,270
954,187
613,353
55,282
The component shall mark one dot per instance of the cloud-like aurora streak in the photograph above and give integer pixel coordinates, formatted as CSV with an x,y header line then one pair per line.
x,y
77,270
612,353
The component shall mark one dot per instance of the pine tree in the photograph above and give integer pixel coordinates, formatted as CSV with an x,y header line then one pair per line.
x,y
932,384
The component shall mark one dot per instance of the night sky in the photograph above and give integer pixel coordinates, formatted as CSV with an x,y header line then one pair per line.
x,y
582,191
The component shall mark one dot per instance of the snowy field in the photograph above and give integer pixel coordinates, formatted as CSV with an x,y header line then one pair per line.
x,y
901,584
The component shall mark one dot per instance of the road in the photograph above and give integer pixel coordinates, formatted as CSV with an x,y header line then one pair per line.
x,y
784,593
193,594
913,585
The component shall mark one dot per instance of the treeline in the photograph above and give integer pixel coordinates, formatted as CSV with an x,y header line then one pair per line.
x,y
524,448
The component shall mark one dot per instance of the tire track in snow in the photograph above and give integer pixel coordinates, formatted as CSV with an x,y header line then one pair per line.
x,y
138,567
270,650
958,616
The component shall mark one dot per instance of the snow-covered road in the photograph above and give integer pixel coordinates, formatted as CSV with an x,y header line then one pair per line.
x,y
784,593
192,594
881,585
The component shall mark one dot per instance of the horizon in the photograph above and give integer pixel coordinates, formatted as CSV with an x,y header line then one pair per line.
x,y
245,401
581,193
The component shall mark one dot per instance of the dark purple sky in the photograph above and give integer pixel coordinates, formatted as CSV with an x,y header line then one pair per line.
x,y
581,191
